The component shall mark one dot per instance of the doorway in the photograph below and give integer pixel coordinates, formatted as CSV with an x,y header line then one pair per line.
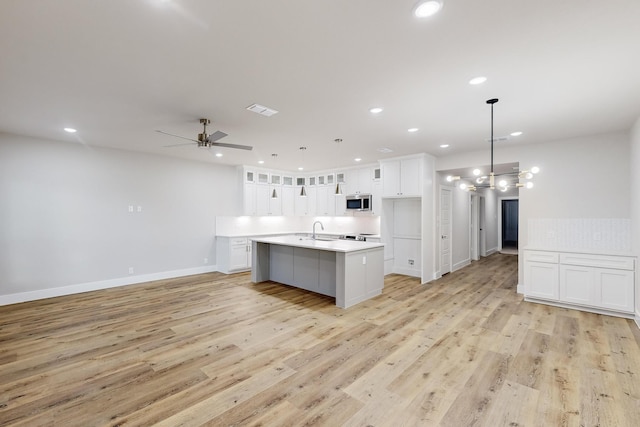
x,y
509,225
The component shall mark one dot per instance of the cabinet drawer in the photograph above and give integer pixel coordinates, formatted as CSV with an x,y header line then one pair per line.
x,y
602,261
541,256
238,241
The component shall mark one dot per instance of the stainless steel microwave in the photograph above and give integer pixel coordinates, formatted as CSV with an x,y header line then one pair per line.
x,y
359,202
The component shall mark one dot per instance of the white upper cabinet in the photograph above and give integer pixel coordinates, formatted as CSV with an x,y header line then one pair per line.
x,y
401,177
359,181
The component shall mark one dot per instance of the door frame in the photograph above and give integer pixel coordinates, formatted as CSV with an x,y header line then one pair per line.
x,y
450,190
500,199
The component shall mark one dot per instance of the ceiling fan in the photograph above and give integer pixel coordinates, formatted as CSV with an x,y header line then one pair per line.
x,y
207,141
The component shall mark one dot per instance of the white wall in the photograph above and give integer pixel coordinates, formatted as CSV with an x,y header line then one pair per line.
x,y
65,222
634,164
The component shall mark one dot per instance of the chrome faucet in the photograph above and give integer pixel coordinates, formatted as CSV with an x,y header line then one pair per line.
x,y
314,229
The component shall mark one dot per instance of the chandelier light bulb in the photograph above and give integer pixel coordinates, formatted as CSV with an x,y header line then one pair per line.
x,y
535,169
463,186
502,183
529,184
477,172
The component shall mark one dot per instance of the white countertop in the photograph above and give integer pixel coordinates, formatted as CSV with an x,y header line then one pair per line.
x,y
335,245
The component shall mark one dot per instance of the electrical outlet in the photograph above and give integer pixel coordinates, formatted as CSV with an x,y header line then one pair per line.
x,y
130,270
411,262
364,260
206,260
139,209
130,208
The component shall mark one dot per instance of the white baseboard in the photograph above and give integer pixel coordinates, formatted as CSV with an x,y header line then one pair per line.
x,y
407,271
520,289
637,319
461,264
492,251
101,284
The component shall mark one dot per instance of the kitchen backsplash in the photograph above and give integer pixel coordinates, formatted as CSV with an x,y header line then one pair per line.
x,y
581,234
259,225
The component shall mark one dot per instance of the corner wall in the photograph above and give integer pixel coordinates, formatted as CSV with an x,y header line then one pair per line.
x,y
65,224
634,162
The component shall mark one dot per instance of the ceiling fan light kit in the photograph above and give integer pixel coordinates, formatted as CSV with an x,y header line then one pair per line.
x,y
505,180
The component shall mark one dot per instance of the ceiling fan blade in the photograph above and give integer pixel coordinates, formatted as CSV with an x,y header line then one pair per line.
x,y
177,136
239,147
217,135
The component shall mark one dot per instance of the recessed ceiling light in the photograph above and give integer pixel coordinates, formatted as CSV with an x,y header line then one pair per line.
x,y
300,168
427,8
376,110
516,133
218,154
412,130
260,162
70,130
357,159
444,145
477,80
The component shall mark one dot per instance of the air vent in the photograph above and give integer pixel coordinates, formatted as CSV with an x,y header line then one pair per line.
x,y
261,109
385,150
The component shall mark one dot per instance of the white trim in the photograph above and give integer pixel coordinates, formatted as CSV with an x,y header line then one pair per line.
x,y
492,251
637,319
520,289
407,272
580,307
101,284
457,266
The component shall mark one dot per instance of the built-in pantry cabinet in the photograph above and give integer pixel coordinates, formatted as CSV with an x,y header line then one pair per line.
x,y
602,283
401,177
271,192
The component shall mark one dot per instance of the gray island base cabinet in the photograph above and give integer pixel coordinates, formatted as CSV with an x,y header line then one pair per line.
x,y
351,272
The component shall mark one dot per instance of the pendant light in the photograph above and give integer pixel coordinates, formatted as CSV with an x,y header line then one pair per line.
x,y
503,183
338,189
303,192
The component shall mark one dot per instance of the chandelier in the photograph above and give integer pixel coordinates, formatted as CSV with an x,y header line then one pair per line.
x,y
518,178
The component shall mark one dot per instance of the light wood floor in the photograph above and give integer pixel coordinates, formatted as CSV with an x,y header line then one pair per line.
x,y
218,350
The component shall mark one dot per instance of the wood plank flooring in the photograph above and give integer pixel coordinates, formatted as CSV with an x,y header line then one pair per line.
x,y
218,350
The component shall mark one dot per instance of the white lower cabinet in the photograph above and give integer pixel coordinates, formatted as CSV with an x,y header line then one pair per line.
x,y
600,283
233,254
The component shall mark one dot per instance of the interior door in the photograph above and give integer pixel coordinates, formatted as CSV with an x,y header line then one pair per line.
x,y
445,231
509,224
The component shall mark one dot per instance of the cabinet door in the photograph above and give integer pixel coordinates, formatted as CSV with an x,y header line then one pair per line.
x,y
288,201
300,203
391,178
249,199
238,257
410,177
577,284
321,203
615,289
365,181
541,280
263,199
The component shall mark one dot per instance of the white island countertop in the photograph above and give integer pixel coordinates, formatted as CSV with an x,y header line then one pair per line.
x,y
333,245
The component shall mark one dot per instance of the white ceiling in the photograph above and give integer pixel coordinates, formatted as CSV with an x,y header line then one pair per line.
x,y
118,70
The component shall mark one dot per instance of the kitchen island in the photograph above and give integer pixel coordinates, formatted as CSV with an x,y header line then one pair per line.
x,y
350,271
